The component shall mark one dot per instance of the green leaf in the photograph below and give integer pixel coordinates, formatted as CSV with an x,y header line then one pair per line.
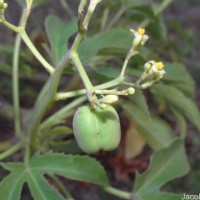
x,y
69,146
55,132
59,33
140,101
40,188
178,76
175,97
61,114
157,132
132,3
11,186
114,38
167,164
180,120
81,168
108,72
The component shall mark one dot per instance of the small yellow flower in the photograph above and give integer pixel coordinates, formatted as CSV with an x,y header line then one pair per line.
x,y
155,69
159,65
141,31
140,37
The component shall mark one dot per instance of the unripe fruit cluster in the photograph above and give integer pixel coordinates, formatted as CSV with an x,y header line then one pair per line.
x,y
96,129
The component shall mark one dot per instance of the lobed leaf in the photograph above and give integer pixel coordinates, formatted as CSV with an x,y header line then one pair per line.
x,y
180,120
140,101
176,97
68,166
59,33
167,164
113,38
178,76
157,132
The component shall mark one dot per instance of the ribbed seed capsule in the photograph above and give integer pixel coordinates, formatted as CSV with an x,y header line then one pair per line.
x,y
97,129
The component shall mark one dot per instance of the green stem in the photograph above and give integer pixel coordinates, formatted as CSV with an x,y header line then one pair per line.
x,y
42,93
163,6
112,83
87,83
104,19
9,25
59,115
142,77
130,54
61,187
116,17
159,10
4,145
27,154
27,13
15,86
66,7
15,82
118,193
11,151
41,107
81,6
35,52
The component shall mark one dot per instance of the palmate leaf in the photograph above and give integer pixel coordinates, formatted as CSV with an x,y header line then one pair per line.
x,y
81,168
166,164
157,132
140,101
185,105
59,33
177,75
113,38
180,120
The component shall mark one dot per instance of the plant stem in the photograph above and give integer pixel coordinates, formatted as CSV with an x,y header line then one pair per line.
x,y
118,193
41,107
4,145
112,83
66,7
27,154
132,52
104,19
59,115
15,86
9,25
10,151
159,10
27,13
35,52
116,17
15,82
61,187
88,85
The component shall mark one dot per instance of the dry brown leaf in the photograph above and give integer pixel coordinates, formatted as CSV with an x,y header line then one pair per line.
x,y
134,142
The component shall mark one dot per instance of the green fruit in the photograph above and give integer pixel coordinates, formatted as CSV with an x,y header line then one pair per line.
x,y
96,129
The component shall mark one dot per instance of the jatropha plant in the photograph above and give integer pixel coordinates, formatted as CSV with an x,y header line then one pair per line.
x,y
96,125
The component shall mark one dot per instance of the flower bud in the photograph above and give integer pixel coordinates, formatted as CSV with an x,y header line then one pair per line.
x,y
147,66
5,5
130,90
140,37
109,99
